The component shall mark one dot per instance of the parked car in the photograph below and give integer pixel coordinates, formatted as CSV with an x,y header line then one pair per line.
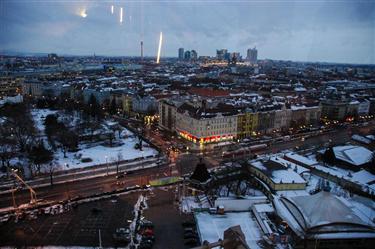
x,y
122,235
188,223
148,238
120,175
146,224
190,236
191,242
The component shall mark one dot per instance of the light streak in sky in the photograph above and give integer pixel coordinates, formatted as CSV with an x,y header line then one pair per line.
x,y
112,9
159,48
121,15
83,13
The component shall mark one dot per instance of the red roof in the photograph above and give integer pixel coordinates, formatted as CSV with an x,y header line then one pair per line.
x,y
209,92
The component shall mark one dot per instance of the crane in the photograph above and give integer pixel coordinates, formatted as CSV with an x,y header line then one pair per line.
x,y
32,191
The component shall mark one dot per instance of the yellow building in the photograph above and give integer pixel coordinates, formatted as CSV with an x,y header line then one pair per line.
x,y
127,104
247,124
276,175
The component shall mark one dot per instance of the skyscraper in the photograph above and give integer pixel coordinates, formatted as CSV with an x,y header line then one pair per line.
x,y
181,53
252,55
220,54
187,55
194,55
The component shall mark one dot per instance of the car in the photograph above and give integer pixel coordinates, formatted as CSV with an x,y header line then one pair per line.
x,y
188,223
146,186
146,224
122,235
191,242
148,238
147,232
190,236
145,246
132,188
120,175
188,229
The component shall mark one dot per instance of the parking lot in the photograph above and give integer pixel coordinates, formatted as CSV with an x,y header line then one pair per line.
x,y
80,226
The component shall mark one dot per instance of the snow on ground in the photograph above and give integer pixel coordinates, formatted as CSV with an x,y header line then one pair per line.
x,y
101,154
39,116
211,227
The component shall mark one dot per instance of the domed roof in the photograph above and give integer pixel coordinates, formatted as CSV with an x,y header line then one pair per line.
x,y
324,212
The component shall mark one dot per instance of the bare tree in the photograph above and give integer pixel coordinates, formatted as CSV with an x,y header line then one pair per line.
x,y
20,123
119,158
7,151
50,168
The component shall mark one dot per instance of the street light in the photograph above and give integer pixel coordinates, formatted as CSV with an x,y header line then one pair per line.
x,y
106,161
142,160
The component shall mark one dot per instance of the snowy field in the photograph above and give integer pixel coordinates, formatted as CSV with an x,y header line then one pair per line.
x,y
211,227
101,154
39,116
98,153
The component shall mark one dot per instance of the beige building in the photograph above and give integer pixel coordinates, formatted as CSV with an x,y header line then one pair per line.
x,y
282,119
206,128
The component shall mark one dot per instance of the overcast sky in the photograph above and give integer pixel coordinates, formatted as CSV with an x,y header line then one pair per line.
x,y
332,31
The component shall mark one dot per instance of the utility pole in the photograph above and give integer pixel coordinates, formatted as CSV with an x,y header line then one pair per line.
x,y
14,200
106,162
141,50
100,240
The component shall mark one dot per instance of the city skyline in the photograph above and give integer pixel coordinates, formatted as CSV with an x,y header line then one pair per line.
x,y
281,30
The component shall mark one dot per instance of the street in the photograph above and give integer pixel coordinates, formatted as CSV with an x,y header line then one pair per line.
x,y
180,163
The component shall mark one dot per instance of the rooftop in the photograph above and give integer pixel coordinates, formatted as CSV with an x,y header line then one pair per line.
x,y
355,155
277,171
322,214
211,227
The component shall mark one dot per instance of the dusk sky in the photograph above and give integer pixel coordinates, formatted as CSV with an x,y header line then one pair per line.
x,y
331,31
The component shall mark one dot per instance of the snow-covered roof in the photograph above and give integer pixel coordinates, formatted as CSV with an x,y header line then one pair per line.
x,y
278,170
239,204
355,155
264,208
321,213
361,139
302,159
211,227
363,177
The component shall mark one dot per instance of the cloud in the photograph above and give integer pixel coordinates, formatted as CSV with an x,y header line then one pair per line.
x,y
341,31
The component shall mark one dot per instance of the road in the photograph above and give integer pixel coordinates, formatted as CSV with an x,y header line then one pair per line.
x,y
86,187
180,163
84,173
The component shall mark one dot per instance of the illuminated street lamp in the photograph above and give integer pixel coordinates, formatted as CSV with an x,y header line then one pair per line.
x,y
106,161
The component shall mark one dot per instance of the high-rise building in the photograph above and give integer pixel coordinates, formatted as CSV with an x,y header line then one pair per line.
x,y
221,53
181,53
187,55
252,55
194,55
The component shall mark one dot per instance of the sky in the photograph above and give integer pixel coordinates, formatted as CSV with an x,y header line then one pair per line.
x,y
327,31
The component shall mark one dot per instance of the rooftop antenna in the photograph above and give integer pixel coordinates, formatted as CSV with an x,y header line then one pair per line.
x,y
141,50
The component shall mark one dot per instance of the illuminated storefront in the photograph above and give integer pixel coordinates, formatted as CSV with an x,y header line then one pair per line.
x,y
205,140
